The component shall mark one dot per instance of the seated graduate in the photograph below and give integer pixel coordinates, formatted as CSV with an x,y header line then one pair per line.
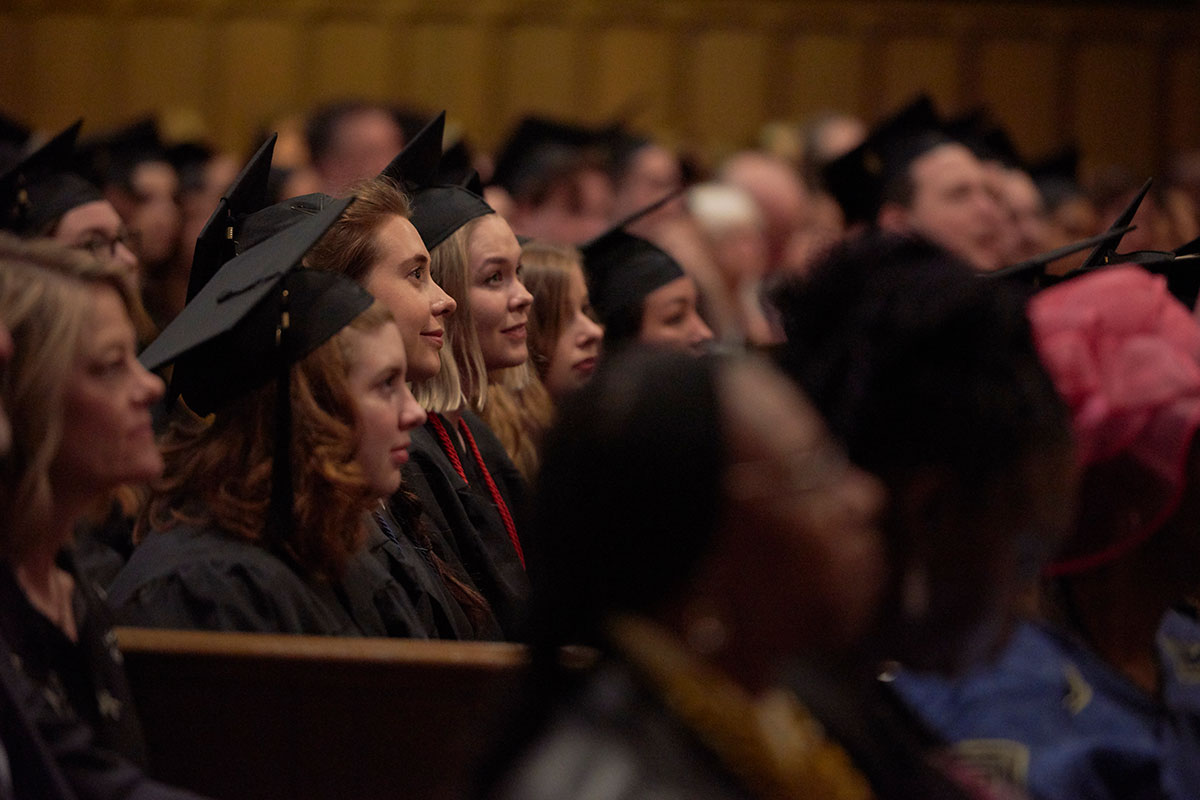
x,y
640,293
564,349
44,197
1096,697
80,409
258,522
564,336
460,470
375,244
706,531
929,375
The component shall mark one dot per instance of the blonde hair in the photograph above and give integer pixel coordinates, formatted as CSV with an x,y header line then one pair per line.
x,y
45,297
463,375
519,411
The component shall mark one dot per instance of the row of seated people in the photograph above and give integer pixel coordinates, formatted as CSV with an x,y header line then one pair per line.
x,y
743,544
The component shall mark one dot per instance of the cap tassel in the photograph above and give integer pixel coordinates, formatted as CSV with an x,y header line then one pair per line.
x,y
281,514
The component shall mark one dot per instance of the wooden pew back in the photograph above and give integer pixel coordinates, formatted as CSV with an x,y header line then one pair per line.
x,y
236,715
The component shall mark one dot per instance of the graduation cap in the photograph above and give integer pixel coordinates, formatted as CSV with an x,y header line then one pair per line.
x,y
417,164
988,140
439,206
37,191
110,158
258,316
216,243
1180,267
1106,252
258,309
858,179
1032,272
622,268
540,148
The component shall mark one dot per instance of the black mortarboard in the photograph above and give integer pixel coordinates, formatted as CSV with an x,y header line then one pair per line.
x,y
1106,252
538,147
1032,272
988,140
190,159
416,166
439,207
1180,267
109,159
216,243
858,179
38,190
258,316
622,268
439,211
257,312
1061,165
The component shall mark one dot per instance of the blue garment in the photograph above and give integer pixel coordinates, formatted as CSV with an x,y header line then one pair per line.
x,y
1051,716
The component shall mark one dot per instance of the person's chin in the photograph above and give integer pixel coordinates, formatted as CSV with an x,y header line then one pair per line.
x,y
517,356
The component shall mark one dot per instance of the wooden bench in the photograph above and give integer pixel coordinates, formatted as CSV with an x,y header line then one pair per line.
x,y
236,715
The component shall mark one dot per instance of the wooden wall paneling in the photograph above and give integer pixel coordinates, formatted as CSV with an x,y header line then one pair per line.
x,y
542,71
16,39
262,72
1115,90
450,68
1122,79
921,63
1182,131
167,70
778,29
353,57
632,76
1017,82
825,72
729,100
73,72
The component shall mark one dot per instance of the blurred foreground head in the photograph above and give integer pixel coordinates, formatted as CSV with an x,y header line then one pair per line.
x,y
1125,356
654,501
930,378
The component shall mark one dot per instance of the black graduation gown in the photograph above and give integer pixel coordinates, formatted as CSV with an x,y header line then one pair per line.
x,y
466,518
190,577
83,679
412,567
54,756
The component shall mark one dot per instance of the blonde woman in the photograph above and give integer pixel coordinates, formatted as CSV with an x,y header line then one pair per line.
x,y
79,403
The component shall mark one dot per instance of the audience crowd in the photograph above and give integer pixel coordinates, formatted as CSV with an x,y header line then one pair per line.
x,y
860,464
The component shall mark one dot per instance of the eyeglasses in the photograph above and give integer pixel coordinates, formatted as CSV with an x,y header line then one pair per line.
x,y
105,247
